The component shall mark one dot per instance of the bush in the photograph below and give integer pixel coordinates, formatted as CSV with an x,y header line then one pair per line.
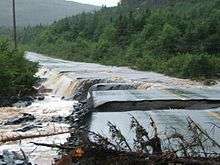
x,y
193,65
199,66
16,73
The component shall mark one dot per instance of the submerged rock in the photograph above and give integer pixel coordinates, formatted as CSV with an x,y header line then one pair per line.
x,y
2,163
16,101
19,162
21,104
21,119
58,119
8,101
13,158
27,128
209,82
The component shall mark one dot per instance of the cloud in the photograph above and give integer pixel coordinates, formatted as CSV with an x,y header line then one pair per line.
x,y
98,2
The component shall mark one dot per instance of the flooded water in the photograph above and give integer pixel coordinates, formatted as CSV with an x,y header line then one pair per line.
x,y
46,111
80,70
64,78
166,121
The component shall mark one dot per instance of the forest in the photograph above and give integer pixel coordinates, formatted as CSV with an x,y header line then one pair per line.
x,y
180,38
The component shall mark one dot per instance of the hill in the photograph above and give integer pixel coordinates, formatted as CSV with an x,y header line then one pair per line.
x,y
174,37
33,12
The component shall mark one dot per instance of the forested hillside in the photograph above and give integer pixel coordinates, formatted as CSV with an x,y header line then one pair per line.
x,y
175,37
34,12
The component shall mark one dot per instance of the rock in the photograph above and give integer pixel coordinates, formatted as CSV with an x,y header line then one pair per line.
x,y
27,98
16,101
5,102
27,128
83,102
209,82
111,86
67,118
19,162
77,106
42,89
8,157
57,158
77,94
82,91
18,120
58,119
2,162
68,98
21,104
13,158
40,98
17,156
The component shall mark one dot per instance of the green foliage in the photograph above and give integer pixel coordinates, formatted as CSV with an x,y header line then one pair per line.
x,y
175,37
193,66
16,73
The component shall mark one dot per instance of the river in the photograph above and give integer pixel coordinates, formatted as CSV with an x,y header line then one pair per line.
x,y
64,78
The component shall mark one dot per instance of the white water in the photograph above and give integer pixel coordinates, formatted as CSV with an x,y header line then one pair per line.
x,y
64,78
51,106
80,70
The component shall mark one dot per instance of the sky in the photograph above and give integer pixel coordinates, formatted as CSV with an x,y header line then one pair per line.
x,y
98,2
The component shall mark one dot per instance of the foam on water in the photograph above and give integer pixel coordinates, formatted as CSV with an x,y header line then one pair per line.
x,y
52,106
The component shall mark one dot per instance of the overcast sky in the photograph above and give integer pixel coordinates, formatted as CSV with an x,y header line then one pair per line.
x,y
98,2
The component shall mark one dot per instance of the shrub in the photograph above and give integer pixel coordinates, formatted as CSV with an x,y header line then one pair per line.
x,y
16,73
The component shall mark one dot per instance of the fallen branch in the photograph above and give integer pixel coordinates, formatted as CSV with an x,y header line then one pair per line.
x,y
190,121
53,146
16,137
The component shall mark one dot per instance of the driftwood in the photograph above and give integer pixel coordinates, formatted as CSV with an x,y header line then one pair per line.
x,y
97,154
101,150
18,137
